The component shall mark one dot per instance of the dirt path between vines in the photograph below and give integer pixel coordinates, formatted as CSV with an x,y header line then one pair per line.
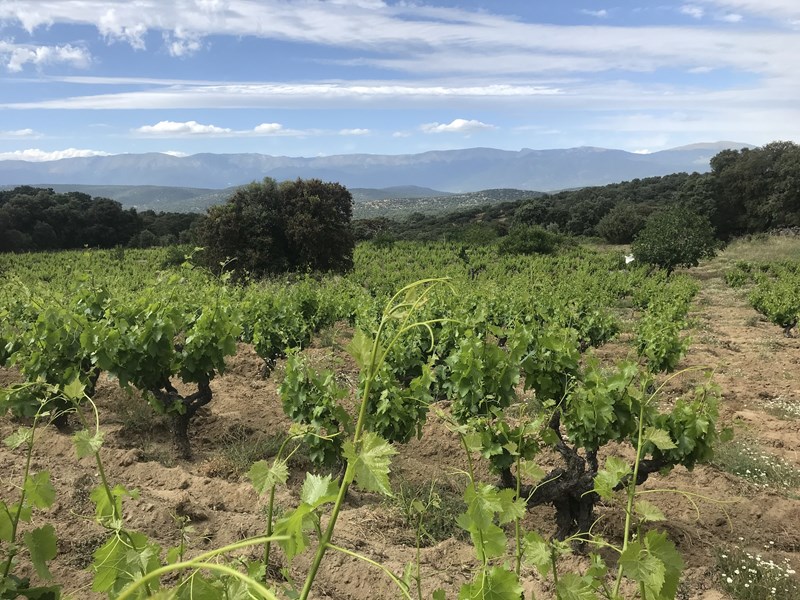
x,y
755,367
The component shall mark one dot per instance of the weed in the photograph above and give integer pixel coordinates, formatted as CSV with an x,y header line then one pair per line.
x,y
746,460
752,321
439,520
782,408
157,451
747,576
240,447
137,416
770,345
327,337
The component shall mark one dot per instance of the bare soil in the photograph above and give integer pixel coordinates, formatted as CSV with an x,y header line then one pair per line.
x,y
754,365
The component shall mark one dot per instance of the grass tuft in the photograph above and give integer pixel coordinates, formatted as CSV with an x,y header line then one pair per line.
x,y
747,576
744,459
444,502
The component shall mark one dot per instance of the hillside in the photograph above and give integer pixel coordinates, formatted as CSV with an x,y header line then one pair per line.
x,y
466,170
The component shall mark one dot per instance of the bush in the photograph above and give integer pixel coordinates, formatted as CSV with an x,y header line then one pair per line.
x,y
621,224
272,228
676,237
530,240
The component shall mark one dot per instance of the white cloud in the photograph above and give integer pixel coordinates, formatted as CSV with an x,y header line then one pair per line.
x,y
354,131
771,9
401,134
175,153
173,128
600,14
181,43
268,128
19,133
731,18
16,56
693,11
36,155
456,126
177,129
288,95
420,39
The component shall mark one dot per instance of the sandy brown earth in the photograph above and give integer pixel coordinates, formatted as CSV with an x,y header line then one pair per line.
x,y
755,366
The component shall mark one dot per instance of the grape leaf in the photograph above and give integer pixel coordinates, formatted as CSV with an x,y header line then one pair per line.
x,y
495,583
531,470
87,444
489,542
660,438
607,479
39,491
371,464
23,435
638,564
6,526
294,525
74,390
41,543
264,476
537,553
648,511
572,586
664,550
318,490
360,348
512,508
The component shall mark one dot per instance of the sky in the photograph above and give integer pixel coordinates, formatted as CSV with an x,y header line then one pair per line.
x,y
326,77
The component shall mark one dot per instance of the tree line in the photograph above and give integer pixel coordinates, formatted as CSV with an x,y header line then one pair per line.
x,y
747,191
36,219
306,224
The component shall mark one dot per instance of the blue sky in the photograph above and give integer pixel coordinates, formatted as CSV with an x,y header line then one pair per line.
x,y
322,77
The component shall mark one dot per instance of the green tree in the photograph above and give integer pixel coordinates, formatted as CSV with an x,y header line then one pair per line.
x,y
621,224
675,237
530,240
270,228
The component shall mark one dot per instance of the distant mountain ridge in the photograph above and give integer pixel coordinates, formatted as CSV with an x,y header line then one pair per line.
x,y
452,171
368,202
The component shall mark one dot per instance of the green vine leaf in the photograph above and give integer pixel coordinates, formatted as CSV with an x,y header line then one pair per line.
x,y
648,511
572,586
607,479
86,443
371,464
360,348
640,565
512,507
23,435
74,390
537,553
662,548
264,476
295,525
39,490
531,471
42,545
495,583
659,438
318,490
6,525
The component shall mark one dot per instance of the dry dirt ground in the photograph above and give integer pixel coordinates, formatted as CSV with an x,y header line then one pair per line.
x,y
755,366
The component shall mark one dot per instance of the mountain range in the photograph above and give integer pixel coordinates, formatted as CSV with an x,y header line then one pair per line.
x,y
197,181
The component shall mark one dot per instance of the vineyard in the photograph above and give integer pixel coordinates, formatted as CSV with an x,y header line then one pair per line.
x,y
443,422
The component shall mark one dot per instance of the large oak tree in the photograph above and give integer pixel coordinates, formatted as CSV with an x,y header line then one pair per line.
x,y
266,228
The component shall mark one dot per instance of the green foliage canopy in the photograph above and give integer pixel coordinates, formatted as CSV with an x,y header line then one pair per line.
x,y
269,228
676,237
